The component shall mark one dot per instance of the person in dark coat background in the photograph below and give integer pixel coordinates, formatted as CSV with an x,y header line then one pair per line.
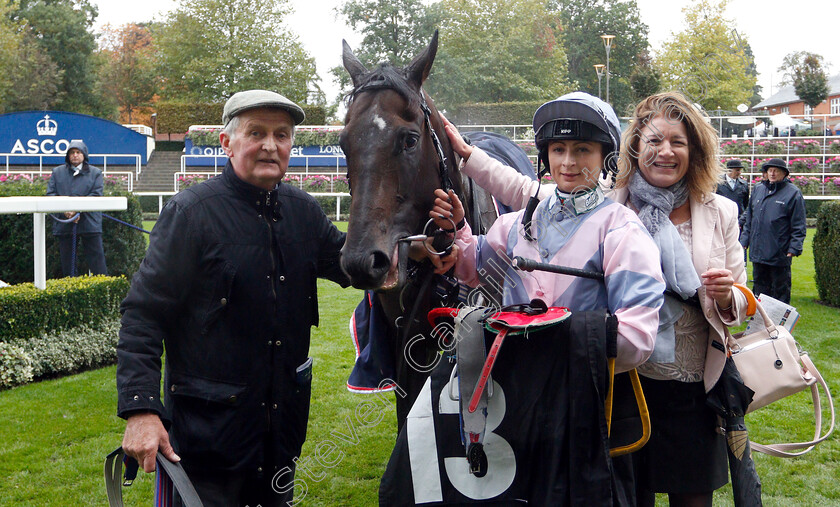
x,y
228,287
735,188
774,230
76,177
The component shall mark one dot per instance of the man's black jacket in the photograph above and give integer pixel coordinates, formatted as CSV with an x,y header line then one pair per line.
x,y
775,223
740,194
228,287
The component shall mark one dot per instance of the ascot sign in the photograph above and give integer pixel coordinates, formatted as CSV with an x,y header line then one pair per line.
x,y
45,127
49,133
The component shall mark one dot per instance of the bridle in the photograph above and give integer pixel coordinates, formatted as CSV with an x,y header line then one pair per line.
x,y
443,173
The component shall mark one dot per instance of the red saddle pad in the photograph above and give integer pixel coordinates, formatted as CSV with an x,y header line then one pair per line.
x,y
518,322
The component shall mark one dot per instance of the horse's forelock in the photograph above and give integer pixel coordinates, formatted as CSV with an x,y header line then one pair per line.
x,y
387,77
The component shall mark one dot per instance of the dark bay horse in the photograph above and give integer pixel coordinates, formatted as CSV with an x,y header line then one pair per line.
x,y
397,154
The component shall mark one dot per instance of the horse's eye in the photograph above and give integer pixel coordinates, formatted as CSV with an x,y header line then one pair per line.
x,y
410,141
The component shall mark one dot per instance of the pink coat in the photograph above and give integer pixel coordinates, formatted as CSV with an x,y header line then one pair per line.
x,y
714,224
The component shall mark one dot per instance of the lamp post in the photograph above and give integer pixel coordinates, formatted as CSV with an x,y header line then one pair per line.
x,y
608,43
599,71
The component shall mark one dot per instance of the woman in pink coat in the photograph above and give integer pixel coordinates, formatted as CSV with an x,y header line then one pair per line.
x,y
668,173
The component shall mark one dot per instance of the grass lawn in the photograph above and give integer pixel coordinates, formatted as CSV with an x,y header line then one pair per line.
x,y
56,433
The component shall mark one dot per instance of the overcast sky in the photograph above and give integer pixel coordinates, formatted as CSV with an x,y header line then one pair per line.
x,y
811,25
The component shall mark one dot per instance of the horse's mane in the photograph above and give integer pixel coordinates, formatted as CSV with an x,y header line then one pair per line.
x,y
386,77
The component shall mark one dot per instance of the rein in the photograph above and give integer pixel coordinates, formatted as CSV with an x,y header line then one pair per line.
x,y
445,181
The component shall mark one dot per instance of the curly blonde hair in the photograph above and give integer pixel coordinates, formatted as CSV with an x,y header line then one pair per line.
x,y
704,168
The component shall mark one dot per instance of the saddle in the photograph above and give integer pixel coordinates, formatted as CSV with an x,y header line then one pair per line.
x,y
474,365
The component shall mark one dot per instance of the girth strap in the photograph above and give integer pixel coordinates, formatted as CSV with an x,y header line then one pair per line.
x,y
470,350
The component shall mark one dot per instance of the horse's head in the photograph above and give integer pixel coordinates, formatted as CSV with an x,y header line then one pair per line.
x,y
392,164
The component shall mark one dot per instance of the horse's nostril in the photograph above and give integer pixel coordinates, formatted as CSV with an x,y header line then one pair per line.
x,y
379,261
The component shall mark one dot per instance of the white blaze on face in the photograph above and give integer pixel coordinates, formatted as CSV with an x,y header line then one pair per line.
x,y
379,122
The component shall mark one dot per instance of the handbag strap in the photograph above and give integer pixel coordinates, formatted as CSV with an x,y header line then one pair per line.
x,y
781,450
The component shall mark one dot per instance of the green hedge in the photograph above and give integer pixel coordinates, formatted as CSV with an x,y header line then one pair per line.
x,y
59,353
827,253
27,312
176,117
502,113
124,246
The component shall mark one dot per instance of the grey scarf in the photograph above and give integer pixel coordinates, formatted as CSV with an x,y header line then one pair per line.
x,y
655,205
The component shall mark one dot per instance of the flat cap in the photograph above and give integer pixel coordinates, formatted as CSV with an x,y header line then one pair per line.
x,y
734,163
775,162
252,99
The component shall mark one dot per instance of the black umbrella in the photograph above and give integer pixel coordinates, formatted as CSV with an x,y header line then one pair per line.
x,y
730,399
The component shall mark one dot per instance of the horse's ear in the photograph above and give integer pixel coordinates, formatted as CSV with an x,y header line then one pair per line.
x,y
419,68
352,64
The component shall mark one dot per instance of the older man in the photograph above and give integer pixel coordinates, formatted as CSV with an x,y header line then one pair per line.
x,y
735,188
774,230
228,288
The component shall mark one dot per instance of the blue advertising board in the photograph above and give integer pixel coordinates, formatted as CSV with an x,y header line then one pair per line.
x,y
318,156
29,133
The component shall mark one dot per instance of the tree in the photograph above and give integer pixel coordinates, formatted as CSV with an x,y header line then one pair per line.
x,y
63,31
394,31
497,51
130,76
806,71
583,25
33,79
210,49
645,79
752,70
707,60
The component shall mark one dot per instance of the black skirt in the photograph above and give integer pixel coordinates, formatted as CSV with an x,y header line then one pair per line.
x,y
685,453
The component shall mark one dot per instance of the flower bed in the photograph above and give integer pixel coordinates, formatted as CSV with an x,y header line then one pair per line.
x,y
736,147
808,185
304,136
316,183
757,162
834,147
528,147
831,185
204,137
190,180
771,147
804,165
833,163
808,146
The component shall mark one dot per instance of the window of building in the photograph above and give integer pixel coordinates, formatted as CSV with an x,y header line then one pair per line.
x,y
786,109
808,110
835,105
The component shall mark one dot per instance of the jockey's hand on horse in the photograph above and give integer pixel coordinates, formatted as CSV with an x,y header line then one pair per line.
x,y
456,140
448,210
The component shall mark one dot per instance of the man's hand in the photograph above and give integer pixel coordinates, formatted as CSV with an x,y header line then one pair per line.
x,y
69,214
144,435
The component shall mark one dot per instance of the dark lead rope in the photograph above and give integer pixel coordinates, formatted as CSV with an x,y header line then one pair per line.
x,y
126,223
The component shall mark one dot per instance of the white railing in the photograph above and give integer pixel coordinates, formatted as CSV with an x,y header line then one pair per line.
x,y
40,173
160,196
219,162
216,160
140,129
41,156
